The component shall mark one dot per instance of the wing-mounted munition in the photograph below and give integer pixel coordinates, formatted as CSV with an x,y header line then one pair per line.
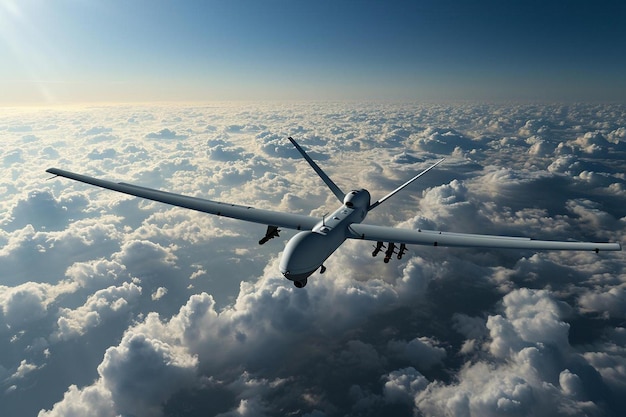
x,y
318,238
379,246
271,233
391,248
401,251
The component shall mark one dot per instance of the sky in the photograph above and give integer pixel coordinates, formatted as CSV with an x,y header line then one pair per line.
x,y
70,51
114,306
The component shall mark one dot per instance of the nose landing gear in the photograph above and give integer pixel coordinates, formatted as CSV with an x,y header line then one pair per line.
x,y
300,284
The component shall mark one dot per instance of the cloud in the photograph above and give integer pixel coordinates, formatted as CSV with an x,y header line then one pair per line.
x,y
422,352
223,152
611,302
104,154
102,305
42,210
93,401
124,368
159,293
444,141
12,157
535,375
24,369
532,317
27,303
184,312
403,385
165,134
136,377
97,130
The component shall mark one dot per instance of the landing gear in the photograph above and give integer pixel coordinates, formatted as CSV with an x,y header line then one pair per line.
x,y
322,269
300,284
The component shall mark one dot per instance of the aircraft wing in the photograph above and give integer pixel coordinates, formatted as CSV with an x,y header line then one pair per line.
x,y
435,238
267,217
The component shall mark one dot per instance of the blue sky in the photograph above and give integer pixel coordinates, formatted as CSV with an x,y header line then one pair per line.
x,y
64,51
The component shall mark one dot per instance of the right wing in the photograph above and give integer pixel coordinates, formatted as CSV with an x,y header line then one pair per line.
x,y
250,214
434,238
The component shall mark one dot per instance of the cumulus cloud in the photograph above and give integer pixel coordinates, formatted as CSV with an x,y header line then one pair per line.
x,y
165,134
444,141
159,293
100,306
24,369
422,352
535,376
184,312
611,302
42,210
403,385
29,302
136,377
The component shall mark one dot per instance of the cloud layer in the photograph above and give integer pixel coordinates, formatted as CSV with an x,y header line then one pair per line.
x,y
120,306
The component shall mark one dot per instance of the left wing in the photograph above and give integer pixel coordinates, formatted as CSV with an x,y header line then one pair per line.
x,y
268,217
434,238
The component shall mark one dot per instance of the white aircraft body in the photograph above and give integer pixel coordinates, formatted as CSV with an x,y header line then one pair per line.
x,y
318,238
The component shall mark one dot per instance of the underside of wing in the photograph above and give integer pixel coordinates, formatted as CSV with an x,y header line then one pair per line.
x,y
268,217
434,238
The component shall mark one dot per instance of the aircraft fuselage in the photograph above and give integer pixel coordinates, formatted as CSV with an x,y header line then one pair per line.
x,y
306,251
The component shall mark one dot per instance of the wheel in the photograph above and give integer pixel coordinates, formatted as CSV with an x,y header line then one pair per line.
x,y
300,284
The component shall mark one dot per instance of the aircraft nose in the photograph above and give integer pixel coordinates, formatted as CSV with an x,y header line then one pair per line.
x,y
297,277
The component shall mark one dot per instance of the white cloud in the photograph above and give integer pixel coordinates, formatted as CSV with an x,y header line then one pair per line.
x,y
26,303
463,332
611,302
159,293
92,401
532,377
24,369
102,305
124,368
403,385
136,377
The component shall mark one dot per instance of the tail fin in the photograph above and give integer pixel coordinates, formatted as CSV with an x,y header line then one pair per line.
x,y
376,203
333,187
